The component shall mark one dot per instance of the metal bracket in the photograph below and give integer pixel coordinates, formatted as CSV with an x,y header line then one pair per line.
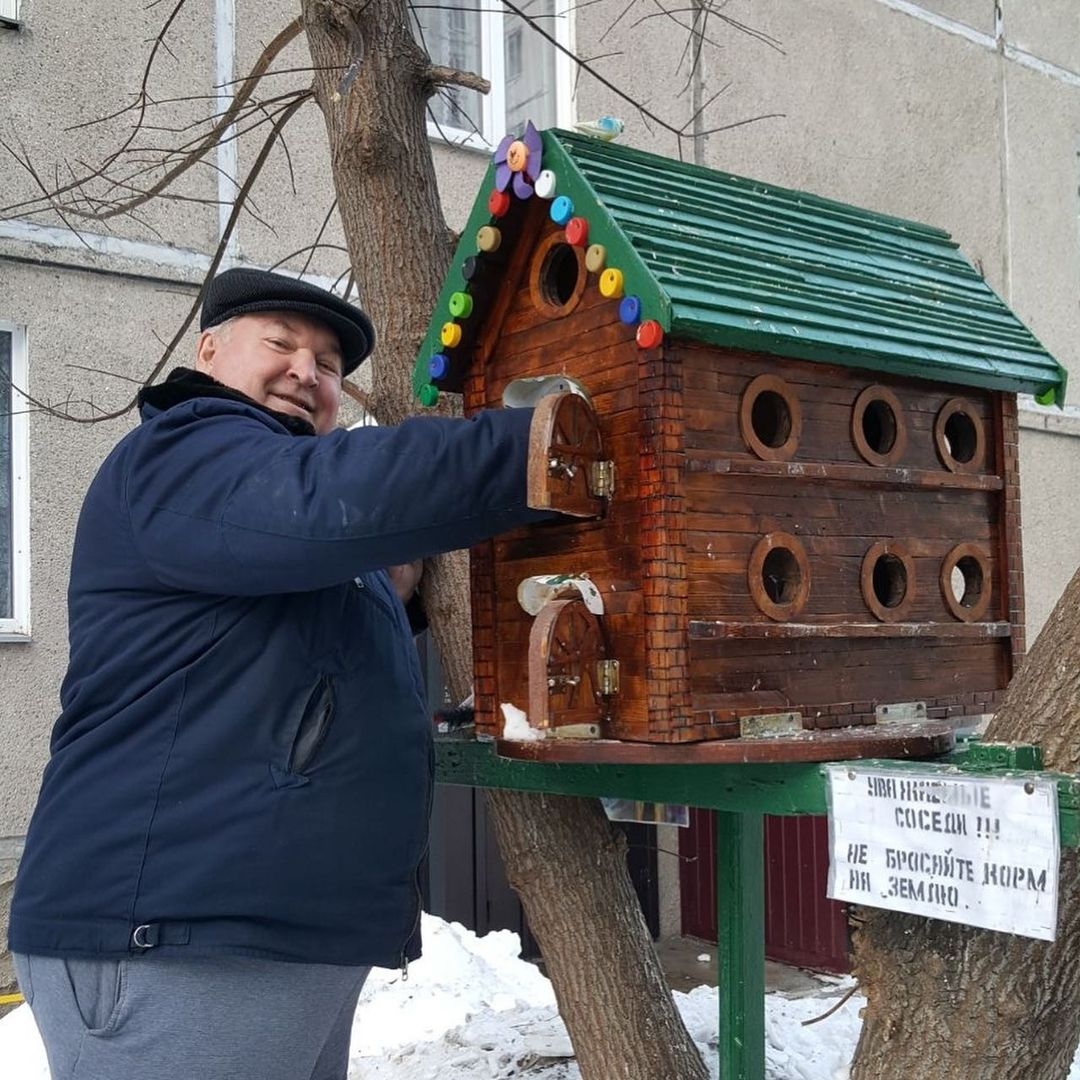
x,y
602,479
900,712
762,725
607,677
574,731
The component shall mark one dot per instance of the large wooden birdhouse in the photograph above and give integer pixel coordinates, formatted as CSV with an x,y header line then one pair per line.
x,y
787,431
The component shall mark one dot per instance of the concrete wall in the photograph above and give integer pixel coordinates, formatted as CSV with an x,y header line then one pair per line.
x,y
940,111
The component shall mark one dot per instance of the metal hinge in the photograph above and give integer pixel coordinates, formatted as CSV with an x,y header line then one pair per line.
x,y
602,479
762,725
607,677
574,731
900,712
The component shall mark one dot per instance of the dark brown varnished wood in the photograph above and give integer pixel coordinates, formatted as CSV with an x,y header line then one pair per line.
x,y
851,744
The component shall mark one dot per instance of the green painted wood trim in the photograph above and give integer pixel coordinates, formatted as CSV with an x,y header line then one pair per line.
x,y
764,789
740,947
797,788
453,282
638,279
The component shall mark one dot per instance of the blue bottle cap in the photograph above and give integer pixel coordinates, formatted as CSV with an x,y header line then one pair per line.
x,y
630,310
562,210
438,365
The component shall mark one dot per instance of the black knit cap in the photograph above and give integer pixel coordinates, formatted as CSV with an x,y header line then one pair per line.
x,y
242,292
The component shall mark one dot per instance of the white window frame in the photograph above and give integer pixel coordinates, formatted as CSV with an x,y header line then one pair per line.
x,y
493,68
17,628
9,13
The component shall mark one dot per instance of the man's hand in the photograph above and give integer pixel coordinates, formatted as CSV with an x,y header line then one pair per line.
x,y
405,578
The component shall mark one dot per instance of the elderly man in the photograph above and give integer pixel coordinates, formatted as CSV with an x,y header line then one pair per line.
x,y
235,810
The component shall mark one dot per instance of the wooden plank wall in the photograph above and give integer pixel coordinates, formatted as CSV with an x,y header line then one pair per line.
x,y
837,660
589,344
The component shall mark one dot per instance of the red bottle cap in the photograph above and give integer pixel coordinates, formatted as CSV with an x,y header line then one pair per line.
x,y
650,334
499,203
577,232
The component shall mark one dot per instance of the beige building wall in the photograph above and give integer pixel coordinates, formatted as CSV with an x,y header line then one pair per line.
x,y
962,113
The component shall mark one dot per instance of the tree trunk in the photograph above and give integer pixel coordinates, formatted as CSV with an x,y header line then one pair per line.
x,y
946,1000
617,1007
372,83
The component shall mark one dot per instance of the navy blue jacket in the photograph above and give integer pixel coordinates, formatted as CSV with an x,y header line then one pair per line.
x,y
243,763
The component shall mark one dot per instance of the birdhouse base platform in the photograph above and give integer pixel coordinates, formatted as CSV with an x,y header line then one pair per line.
x,y
741,793
896,741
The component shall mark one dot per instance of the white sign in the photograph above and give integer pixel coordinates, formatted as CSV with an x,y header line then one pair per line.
x,y
960,848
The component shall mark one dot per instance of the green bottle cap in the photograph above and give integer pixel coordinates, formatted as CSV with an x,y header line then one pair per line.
x,y
460,305
429,395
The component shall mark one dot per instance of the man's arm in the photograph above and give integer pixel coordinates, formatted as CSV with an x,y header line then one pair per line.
x,y
220,502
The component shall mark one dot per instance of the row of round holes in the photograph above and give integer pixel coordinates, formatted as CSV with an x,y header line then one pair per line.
x,y
770,419
779,575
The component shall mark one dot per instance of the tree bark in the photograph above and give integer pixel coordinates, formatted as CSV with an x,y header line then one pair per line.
x,y
618,1010
946,1000
372,83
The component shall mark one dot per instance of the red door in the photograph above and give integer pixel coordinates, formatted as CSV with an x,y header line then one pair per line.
x,y
802,926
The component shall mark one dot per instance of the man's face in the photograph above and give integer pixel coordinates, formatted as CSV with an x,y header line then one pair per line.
x,y
283,360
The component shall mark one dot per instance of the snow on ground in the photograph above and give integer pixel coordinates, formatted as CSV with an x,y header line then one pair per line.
x,y
472,1010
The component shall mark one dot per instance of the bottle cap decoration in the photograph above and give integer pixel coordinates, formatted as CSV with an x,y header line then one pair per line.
x,y
461,305
517,155
499,202
562,210
450,335
595,257
517,161
438,365
611,283
545,184
470,267
577,231
429,395
650,334
488,238
630,310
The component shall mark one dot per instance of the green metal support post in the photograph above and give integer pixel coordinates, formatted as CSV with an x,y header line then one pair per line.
x,y
740,922
741,795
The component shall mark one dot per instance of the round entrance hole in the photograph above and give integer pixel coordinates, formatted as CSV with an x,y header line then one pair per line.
x,y
888,580
960,437
779,576
877,426
557,276
965,582
770,419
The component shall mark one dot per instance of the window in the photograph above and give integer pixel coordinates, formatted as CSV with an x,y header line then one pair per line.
x,y
9,12
530,78
14,484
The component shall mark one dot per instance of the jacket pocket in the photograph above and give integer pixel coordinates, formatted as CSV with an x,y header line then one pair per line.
x,y
313,727
99,990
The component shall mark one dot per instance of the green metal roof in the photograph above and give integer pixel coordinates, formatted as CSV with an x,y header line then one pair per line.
x,y
734,262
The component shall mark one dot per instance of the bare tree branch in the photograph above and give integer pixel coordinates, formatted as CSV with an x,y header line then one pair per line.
x,y
215,262
212,139
447,76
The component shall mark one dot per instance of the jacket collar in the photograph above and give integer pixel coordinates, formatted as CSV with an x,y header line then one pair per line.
x,y
184,384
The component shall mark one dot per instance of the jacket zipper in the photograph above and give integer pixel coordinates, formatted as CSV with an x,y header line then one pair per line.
x,y
416,869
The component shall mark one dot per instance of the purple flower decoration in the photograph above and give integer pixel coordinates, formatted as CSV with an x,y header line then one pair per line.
x,y
519,160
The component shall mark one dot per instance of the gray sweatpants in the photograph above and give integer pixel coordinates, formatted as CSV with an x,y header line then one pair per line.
x,y
198,1018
